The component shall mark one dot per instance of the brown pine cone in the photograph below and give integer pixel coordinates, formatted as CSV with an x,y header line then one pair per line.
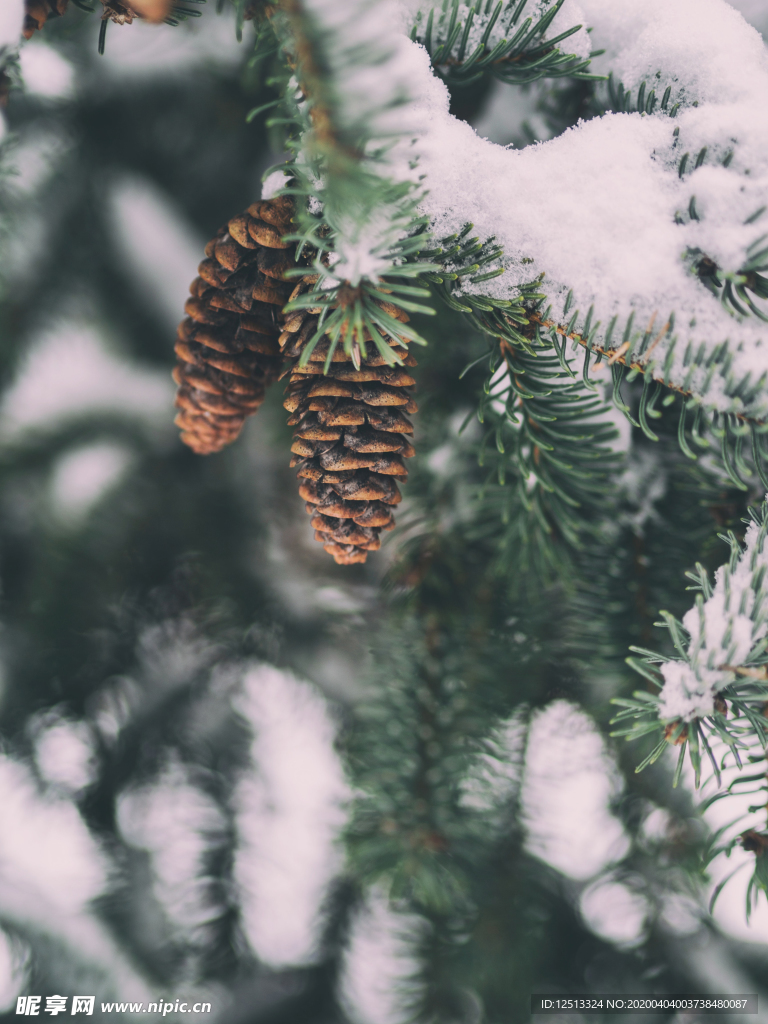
x,y
37,12
351,435
227,346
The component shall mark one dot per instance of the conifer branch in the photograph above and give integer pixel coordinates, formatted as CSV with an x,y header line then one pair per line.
x,y
428,808
546,441
728,430
559,488
712,695
739,289
496,39
360,224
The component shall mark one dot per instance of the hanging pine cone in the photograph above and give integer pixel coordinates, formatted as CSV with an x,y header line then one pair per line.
x,y
227,345
351,435
37,12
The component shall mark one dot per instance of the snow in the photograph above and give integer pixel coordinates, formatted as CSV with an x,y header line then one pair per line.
x,y
289,812
69,371
177,824
494,777
49,862
64,752
273,183
157,241
602,210
51,870
36,157
380,969
614,911
732,816
703,47
370,64
11,21
756,13
45,71
723,631
83,476
570,783
367,91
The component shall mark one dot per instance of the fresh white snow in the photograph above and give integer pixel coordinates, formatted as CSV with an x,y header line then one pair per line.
x,y
11,21
595,209
723,629
289,810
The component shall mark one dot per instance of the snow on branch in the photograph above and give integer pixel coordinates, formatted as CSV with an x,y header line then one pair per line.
x,y
715,690
653,221
713,695
727,628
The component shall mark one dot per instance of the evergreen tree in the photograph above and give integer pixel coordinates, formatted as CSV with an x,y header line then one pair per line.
x,y
527,396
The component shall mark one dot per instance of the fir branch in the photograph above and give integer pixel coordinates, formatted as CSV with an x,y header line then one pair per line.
x,y
496,39
712,695
728,430
408,826
430,753
725,644
561,484
545,443
738,290
355,217
549,454
617,97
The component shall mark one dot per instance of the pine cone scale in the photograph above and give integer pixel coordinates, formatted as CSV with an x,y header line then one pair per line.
x,y
266,235
238,229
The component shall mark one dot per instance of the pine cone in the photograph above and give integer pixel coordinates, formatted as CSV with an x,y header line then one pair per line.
x,y
351,436
37,12
227,346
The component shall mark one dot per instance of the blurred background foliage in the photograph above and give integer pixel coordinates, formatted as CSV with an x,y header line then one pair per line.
x,y
309,793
